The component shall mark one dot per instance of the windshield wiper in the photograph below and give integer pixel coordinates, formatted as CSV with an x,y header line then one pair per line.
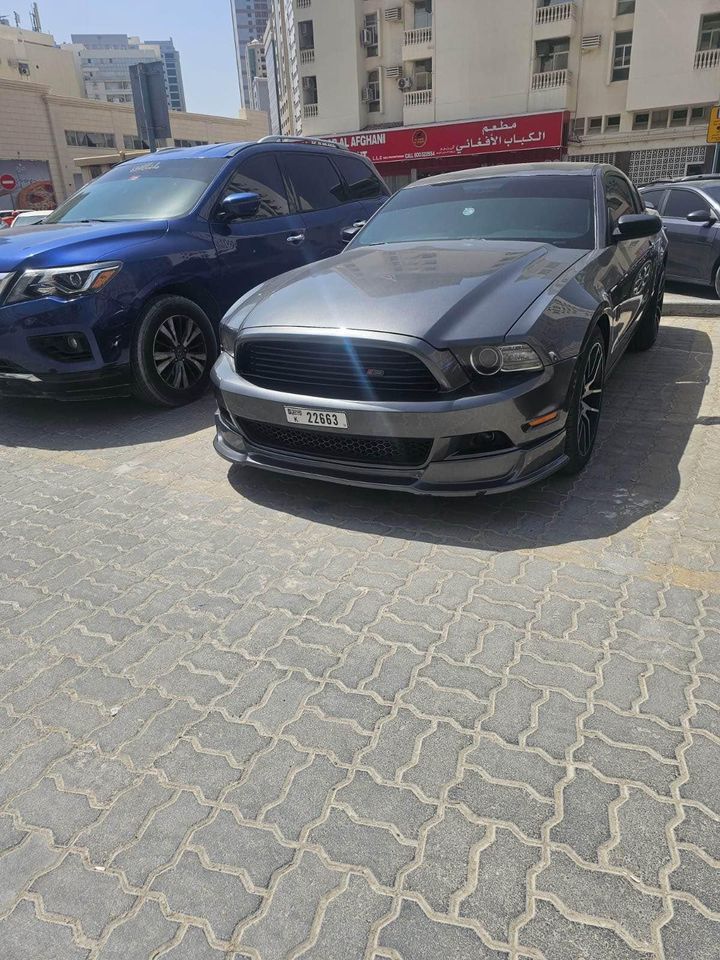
x,y
94,220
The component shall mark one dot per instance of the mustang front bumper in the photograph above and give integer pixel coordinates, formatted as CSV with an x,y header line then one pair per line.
x,y
529,455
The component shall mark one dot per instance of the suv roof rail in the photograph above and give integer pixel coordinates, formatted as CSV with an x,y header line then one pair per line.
x,y
277,138
701,176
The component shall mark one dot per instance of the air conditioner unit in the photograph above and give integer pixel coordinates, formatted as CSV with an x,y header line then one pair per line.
x,y
368,38
591,42
394,14
23,69
405,83
395,71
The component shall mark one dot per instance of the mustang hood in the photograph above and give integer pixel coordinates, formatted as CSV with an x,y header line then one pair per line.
x,y
443,292
65,244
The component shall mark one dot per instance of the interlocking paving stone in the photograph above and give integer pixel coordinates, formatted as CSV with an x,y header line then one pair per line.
x,y
192,890
91,898
265,704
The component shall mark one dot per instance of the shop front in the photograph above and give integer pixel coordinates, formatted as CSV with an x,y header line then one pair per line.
x,y
403,154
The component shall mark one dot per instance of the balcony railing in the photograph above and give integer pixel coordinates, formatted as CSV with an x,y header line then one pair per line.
x,y
301,4
310,110
422,35
555,13
551,79
418,98
307,56
707,59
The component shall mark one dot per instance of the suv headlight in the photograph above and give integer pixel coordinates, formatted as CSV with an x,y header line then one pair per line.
x,y
63,282
506,357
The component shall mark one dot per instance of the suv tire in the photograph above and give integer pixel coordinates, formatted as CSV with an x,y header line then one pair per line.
x,y
173,351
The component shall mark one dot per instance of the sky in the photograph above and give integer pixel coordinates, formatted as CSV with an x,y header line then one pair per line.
x,y
201,29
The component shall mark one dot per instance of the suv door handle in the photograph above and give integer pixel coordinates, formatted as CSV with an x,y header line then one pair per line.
x,y
296,238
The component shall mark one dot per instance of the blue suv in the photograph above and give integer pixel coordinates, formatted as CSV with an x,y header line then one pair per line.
x,y
122,288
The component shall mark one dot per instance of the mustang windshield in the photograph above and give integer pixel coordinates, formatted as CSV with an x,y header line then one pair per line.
x,y
142,189
547,209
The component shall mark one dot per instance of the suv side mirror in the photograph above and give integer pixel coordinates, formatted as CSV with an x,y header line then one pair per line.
x,y
702,216
348,233
238,206
635,226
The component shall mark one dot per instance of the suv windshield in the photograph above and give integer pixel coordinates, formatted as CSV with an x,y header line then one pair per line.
x,y
552,209
141,190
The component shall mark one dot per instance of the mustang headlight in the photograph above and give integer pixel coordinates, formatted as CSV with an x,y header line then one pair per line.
x,y
506,357
63,282
235,317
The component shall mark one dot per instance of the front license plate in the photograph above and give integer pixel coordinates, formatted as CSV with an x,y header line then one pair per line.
x,y
316,418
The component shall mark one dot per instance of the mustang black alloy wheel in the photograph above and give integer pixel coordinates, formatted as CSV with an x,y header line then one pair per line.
x,y
585,404
173,352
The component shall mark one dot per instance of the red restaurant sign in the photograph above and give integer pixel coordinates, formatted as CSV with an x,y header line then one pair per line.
x,y
538,131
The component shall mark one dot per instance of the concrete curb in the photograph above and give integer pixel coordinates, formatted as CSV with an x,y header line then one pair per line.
x,y
676,306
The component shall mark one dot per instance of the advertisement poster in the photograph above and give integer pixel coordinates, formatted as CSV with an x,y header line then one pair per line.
x,y
26,185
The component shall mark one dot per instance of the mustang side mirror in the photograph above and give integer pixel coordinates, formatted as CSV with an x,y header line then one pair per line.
x,y
347,233
238,206
635,226
702,216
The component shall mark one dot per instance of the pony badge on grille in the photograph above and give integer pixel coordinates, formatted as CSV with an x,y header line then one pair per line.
x,y
375,372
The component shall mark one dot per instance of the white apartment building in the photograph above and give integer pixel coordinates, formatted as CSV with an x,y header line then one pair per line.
x,y
631,81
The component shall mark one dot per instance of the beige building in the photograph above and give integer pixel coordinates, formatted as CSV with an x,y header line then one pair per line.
x,y
35,58
43,134
634,78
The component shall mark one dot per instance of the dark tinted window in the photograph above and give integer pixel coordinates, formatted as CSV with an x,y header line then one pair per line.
x,y
682,202
653,197
314,180
545,209
619,198
362,182
261,175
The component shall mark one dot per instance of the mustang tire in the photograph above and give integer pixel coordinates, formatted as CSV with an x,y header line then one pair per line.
x,y
646,332
585,404
172,352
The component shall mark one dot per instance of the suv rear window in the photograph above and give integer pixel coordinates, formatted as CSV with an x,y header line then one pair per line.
x,y
362,182
314,181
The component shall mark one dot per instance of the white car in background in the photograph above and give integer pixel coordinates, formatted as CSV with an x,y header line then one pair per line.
x,y
29,218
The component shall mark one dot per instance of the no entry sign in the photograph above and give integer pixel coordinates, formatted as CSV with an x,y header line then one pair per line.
x,y
7,181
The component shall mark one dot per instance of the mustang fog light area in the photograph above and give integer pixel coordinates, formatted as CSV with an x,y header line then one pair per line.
x,y
66,347
62,282
489,441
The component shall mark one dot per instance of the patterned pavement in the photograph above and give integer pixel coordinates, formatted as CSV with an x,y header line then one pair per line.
x,y
246,716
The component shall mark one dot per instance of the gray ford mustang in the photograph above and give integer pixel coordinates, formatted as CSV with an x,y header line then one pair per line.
x,y
462,342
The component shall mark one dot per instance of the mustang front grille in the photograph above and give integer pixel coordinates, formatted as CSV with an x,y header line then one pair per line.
x,y
342,369
381,451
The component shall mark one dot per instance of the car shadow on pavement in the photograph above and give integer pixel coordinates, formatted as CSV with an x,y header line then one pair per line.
x,y
652,403
98,424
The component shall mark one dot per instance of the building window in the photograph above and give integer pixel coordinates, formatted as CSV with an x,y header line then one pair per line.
x,y
372,92
306,35
621,55
709,32
85,138
131,142
659,119
422,14
579,126
594,125
370,35
552,55
612,124
641,121
190,143
678,118
624,6
699,115
422,75
309,91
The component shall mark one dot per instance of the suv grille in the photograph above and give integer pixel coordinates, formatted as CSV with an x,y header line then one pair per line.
x,y
341,370
386,451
